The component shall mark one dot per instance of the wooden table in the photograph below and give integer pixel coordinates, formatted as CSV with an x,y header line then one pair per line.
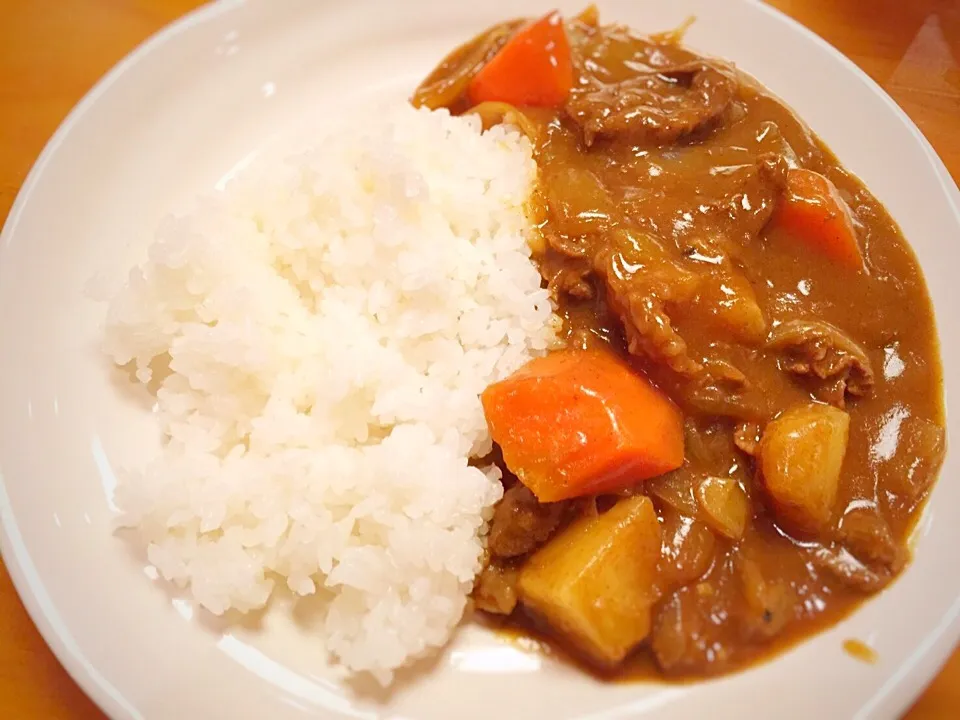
x,y
53,51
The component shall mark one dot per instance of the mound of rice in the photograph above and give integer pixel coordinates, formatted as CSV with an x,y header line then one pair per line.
x,y
320,333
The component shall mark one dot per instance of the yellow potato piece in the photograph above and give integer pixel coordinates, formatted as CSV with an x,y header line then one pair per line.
x,y
595,582
801,453
724,506
733,303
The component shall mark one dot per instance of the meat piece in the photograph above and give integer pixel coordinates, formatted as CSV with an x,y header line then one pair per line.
x,y
750,208
865,556
772,168
568,278
657,107
521,523
648,329
642,281
866,534
612,53
723,390
761,191
846,567
495,589
819,350
741,212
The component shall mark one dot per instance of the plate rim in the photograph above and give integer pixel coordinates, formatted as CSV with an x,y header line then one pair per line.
x,y
15,555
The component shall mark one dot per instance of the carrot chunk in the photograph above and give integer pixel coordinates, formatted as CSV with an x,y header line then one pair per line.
x,y
581,422
814,212
533,69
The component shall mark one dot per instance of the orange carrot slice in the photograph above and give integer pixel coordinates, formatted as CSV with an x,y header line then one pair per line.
x,y
813,211
582,422
532,69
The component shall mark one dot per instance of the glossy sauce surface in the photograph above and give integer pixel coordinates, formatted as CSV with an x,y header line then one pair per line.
x,y
659,181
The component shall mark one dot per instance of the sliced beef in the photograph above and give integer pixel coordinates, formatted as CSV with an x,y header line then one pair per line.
x,y
867,535
568,277
721,389
648,329
737,211
649,278
820,351
748,206
642,282
863,553
521,523
849,569
657,107
571,281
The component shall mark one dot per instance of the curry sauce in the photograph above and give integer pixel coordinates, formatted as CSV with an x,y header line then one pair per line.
x,y
660,182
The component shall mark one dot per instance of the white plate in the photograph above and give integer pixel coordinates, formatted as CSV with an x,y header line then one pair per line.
x,y
183,112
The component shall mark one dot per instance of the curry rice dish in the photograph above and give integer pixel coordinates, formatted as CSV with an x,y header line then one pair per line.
x,y
664,373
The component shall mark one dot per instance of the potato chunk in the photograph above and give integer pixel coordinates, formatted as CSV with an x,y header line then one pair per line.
x,y
730,299
801,453
595,582
724,506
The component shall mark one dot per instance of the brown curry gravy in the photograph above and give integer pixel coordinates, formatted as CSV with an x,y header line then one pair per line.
x,y
701,202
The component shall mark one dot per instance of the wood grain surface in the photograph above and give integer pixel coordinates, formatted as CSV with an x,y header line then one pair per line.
x,y
53,51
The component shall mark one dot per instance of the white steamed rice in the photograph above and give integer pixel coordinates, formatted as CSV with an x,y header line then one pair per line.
x,y
328,324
